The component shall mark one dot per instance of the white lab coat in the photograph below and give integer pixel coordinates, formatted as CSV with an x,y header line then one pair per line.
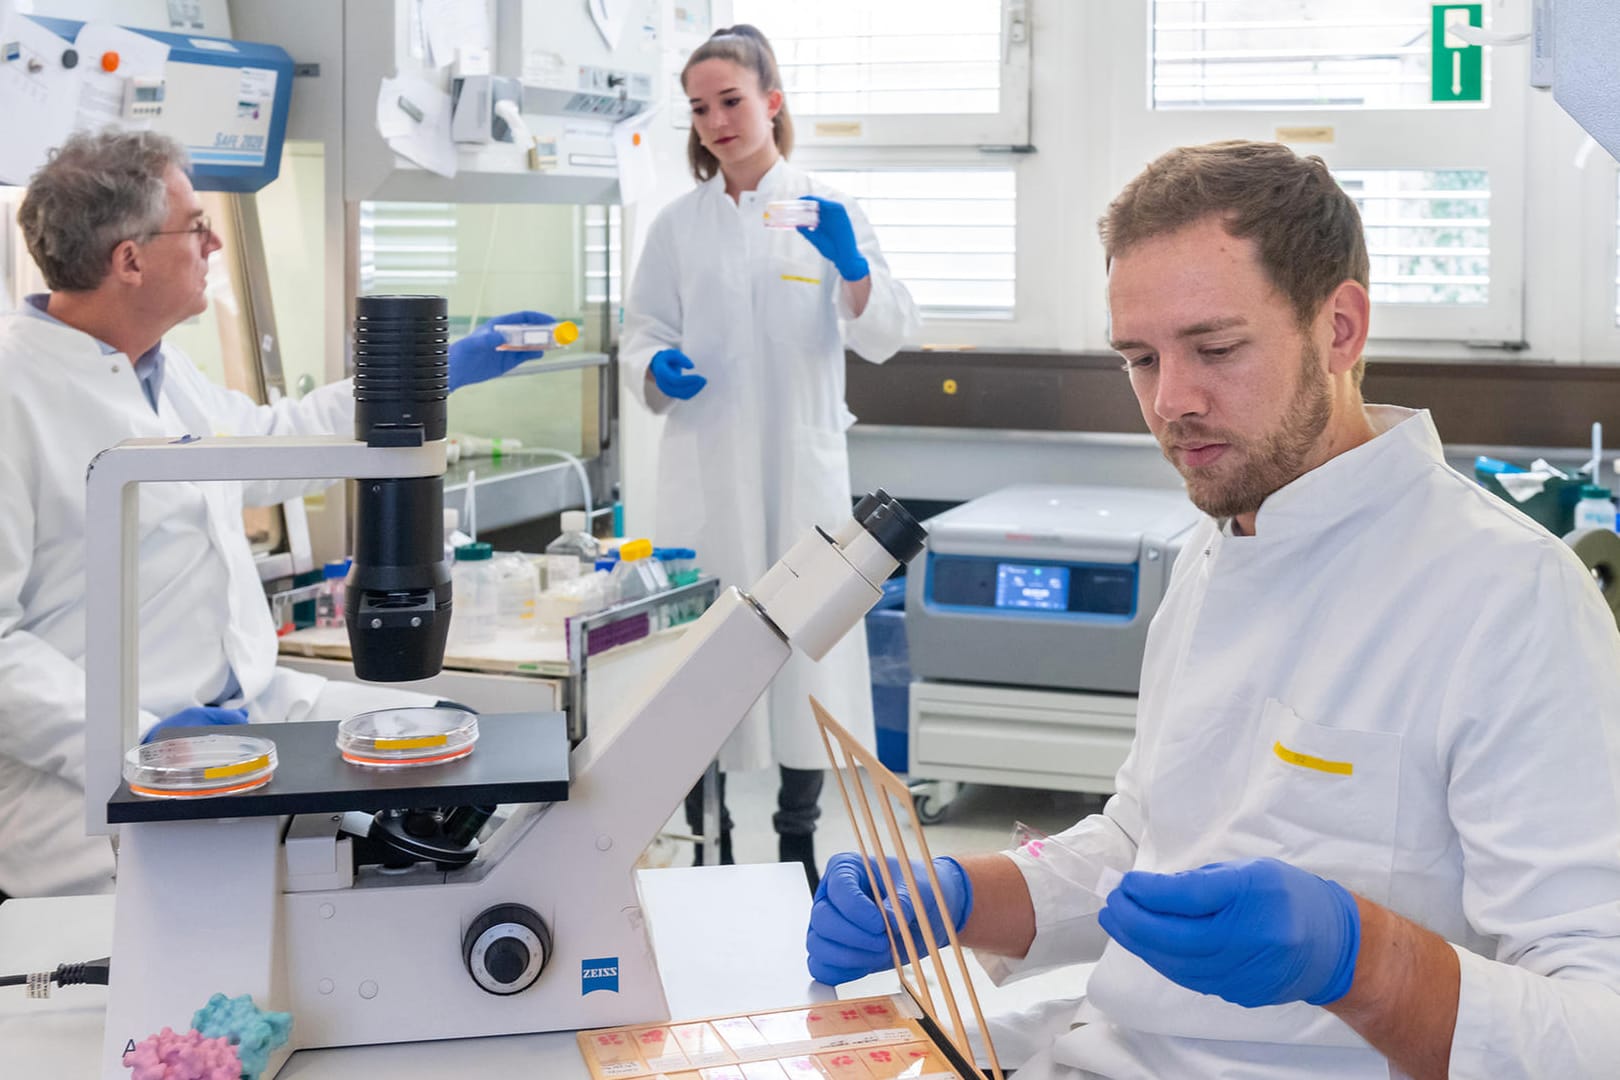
x,y
757,459
202,608
1391,614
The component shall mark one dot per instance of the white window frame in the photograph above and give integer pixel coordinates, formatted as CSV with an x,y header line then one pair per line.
x,y
1008,126
933,316
1492,138
1035,321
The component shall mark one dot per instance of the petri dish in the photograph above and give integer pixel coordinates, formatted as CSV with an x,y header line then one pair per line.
x,y
199,766
792,213
404,738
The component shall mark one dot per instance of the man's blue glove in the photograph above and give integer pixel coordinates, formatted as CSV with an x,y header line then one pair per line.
x,y
846,938
478,356
199,716
1255,932
666,368
834,237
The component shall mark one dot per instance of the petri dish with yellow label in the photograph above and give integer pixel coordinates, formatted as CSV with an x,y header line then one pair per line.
x,y
199,766
404,738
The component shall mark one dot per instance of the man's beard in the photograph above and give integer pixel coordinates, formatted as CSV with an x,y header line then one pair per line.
x,y
1253,468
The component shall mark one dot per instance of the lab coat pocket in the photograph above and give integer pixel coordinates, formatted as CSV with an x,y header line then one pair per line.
x,y
682,506
820,479
797,309
1326,798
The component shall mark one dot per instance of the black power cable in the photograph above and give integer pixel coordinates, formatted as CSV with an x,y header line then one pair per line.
x,y
86,973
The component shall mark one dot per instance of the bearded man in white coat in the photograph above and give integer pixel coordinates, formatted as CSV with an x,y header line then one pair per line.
x,y
122,241
1370,822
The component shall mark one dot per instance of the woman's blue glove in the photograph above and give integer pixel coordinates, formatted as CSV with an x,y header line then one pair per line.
x,y
834,237
1255,932
846,938
666,368
478,356
199,716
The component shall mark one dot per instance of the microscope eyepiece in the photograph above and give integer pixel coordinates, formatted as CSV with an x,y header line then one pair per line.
x,y
398,591
401,369
891,525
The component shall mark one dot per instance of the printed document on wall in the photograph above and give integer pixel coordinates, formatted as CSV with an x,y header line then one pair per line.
x,y
633,149
608,15
414,116
39,105
453,26
101,97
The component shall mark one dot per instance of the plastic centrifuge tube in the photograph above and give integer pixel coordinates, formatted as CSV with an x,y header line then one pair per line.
x,y
792,213
537,335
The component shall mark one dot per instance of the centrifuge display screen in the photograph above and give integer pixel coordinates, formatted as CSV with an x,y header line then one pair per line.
x,y
1031,587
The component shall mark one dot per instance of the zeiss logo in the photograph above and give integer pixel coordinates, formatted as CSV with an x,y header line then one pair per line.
x,y
599,974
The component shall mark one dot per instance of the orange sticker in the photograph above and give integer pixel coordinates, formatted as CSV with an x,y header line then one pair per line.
x,y
635,138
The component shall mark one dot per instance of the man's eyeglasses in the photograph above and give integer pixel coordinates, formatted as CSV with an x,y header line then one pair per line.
x,y
200,227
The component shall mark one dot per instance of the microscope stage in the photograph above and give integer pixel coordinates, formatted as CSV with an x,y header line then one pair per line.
x,y
519,758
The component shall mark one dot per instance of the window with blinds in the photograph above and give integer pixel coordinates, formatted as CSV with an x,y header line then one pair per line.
x,y
1428,233
901,72
1617,256
854,57
1268,54
948,234
603,243
407,247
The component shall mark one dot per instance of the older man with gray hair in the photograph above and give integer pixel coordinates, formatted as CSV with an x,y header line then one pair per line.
x,y
123,242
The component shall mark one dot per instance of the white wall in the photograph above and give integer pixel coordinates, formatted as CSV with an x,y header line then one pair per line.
x,y
1065,186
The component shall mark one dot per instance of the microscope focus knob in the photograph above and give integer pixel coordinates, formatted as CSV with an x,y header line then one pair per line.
x,y
506,948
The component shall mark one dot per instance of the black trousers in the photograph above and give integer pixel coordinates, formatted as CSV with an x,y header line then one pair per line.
x,y
798,803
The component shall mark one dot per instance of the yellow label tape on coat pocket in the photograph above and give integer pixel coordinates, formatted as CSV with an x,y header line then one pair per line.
x,y
800,277
1306,761
221,772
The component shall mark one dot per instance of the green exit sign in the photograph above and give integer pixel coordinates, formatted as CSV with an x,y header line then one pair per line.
x,y
1459,68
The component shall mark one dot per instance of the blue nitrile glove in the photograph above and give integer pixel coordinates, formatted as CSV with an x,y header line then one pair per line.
x,y
666,368
846,938
478,356
199,716
834,237
1255,932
